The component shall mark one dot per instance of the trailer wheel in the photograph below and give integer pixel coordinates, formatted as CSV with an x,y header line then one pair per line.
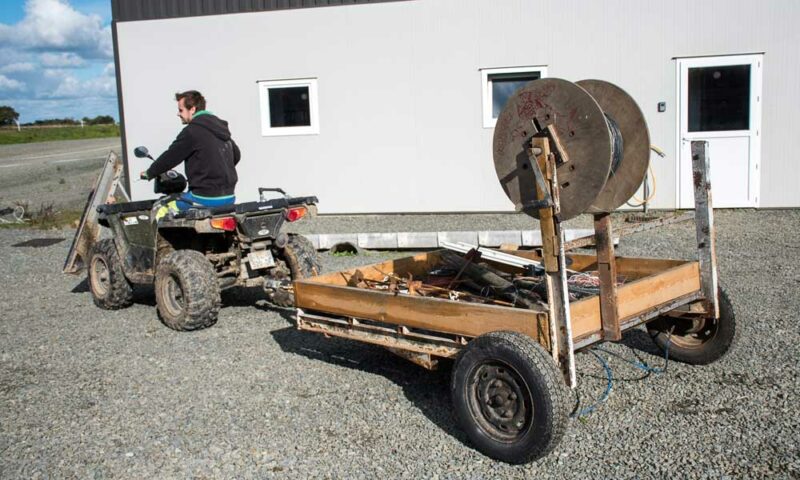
x,y
696,341
509,397
187,292
110,289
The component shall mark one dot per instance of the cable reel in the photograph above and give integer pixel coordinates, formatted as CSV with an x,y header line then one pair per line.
x,y
600,127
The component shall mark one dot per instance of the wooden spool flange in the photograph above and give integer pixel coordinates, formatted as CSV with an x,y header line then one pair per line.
x,y
623,181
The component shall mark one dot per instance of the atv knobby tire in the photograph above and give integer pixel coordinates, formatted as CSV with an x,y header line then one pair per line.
x,y
110,289
510,397
187,292
303,262
301,257
699,344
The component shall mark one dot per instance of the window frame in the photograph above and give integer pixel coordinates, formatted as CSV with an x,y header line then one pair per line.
x,y
267,130
486,87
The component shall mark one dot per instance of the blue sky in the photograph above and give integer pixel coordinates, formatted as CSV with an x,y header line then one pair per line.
x,y
56,58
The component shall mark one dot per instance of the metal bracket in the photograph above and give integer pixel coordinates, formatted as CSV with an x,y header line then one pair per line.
x,y
541,186
107,186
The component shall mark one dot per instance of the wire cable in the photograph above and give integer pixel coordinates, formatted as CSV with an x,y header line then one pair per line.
x,y
578,412
649,175
609,385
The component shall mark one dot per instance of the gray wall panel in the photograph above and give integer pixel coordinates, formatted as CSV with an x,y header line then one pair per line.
x,y
400,90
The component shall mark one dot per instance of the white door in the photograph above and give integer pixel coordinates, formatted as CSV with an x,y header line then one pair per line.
x,y
720,102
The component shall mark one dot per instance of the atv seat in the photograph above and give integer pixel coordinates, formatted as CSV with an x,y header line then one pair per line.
x,y
197,213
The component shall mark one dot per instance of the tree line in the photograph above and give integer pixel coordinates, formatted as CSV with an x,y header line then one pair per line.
x,y
8,116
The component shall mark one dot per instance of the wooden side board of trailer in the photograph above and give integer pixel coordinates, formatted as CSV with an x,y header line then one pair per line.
x,y
649,284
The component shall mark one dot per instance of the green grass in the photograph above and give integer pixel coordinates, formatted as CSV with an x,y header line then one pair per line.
x,y
9,136
44,217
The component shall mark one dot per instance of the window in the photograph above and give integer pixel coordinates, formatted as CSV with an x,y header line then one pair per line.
x,y
289,107
499,84
719,98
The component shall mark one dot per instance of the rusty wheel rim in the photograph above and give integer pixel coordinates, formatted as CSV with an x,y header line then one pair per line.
x,y
691,333
499,401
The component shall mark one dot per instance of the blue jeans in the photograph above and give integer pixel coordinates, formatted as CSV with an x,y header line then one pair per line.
x,y
189,200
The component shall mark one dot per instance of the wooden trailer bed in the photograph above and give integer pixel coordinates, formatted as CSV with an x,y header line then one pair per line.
x,y
328,305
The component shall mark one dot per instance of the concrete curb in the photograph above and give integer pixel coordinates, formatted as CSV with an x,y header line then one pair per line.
x,y
425,240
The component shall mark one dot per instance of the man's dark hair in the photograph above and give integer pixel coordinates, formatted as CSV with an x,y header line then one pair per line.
x,y
191,98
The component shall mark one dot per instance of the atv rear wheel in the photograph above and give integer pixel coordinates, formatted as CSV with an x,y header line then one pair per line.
x,y
187,292
301,257
303,261
110,289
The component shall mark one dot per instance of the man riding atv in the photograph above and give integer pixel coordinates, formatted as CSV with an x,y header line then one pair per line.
x,y
191,245
208,150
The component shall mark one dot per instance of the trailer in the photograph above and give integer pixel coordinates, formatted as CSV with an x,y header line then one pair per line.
x,y
560,149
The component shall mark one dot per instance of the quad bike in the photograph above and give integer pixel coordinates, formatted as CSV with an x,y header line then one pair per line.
x,y
192,255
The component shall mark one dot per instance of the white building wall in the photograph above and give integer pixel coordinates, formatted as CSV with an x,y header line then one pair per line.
x,y
400,88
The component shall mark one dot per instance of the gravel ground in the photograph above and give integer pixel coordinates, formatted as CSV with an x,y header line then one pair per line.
x,y
94,394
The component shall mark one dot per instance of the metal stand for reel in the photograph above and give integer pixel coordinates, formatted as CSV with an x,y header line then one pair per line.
x,y
543,162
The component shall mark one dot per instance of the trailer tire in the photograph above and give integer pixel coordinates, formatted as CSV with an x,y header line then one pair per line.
x,y
110,289
303,261
509,397
187,291
699,345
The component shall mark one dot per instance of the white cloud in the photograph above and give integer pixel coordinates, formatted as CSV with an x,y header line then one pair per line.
x,y
57,62
8,84
18,67
62,60
68,85
55,25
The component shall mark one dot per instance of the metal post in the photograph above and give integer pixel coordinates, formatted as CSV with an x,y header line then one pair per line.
x,y
607,272
704,222
554,260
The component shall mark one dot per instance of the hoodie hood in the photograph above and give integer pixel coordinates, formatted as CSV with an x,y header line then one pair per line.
x,y
213,124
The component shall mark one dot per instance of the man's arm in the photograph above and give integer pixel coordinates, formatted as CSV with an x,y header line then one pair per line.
x,y
180,150
237,154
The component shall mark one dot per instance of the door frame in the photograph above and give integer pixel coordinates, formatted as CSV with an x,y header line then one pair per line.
x,y
756,60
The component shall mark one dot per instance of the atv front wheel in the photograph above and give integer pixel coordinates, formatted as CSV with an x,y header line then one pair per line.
x,y
187,292
110,289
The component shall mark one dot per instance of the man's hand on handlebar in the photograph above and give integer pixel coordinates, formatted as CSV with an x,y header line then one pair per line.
x,y
143,175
